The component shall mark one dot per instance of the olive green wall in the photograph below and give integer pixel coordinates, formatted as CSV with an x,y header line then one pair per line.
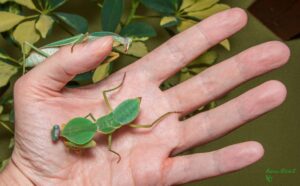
x,y
277,130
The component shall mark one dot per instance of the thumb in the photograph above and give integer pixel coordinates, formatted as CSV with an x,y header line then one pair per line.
x,y
57,70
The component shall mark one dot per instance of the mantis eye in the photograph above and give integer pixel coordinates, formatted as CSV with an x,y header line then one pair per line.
x,y
55,133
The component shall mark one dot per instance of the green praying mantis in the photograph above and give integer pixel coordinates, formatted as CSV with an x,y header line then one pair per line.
x,y
40,54
78,133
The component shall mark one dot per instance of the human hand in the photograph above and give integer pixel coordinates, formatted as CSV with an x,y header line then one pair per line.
x,y
41,100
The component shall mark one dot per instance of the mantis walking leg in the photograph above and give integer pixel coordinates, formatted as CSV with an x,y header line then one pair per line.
x,y
91,116
109,90
109,147
82,37
112,56
153,123
33,48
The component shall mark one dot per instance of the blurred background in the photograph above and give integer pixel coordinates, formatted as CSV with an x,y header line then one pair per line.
x,y
278,131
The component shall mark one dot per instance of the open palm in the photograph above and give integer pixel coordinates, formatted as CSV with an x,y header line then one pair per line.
x,y
148,155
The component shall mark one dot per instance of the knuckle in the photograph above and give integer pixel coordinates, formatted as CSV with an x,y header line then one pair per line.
x,y
203,35
206,126
215,160
175,51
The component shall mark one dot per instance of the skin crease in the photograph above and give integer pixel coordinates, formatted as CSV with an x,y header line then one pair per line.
x,y
147,154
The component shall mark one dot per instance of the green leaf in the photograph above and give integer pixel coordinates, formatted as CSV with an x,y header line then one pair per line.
x,y
111,14
101,72
6,57
165,7
11,143
138,30
201,5
83,79
79,131
185,24
26,32
206,59
185,76
6,72
1,109
77,22
44,25
186,4
28,3
137,49
54,4
11,7
3,1
9,20
169,21
226,44
3,164
208,12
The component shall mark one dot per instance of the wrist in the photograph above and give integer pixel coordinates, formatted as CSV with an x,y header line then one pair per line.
x,y
11,175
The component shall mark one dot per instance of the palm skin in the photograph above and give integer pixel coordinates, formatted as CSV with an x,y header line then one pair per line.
x,y
41,100
137,147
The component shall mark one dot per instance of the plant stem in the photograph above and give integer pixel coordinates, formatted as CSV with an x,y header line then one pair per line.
x,y
41,4
31,17
100,5
23,58
143,17
134,5
191,18
6,127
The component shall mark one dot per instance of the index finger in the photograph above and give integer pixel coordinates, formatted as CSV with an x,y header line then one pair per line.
x,y
178,51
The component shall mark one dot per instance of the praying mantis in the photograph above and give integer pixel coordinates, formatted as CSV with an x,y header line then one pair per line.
x,y
40,54
78,133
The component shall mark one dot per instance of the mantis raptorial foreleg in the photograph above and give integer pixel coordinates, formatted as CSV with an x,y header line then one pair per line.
x,y
153,123
110,148
91,116
104,93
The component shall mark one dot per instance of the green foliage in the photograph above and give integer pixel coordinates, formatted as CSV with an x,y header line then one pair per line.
x,y
138,30
166,7
76,22
169,21
44,25
7,71
111,14
9,20
34,20
101,72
